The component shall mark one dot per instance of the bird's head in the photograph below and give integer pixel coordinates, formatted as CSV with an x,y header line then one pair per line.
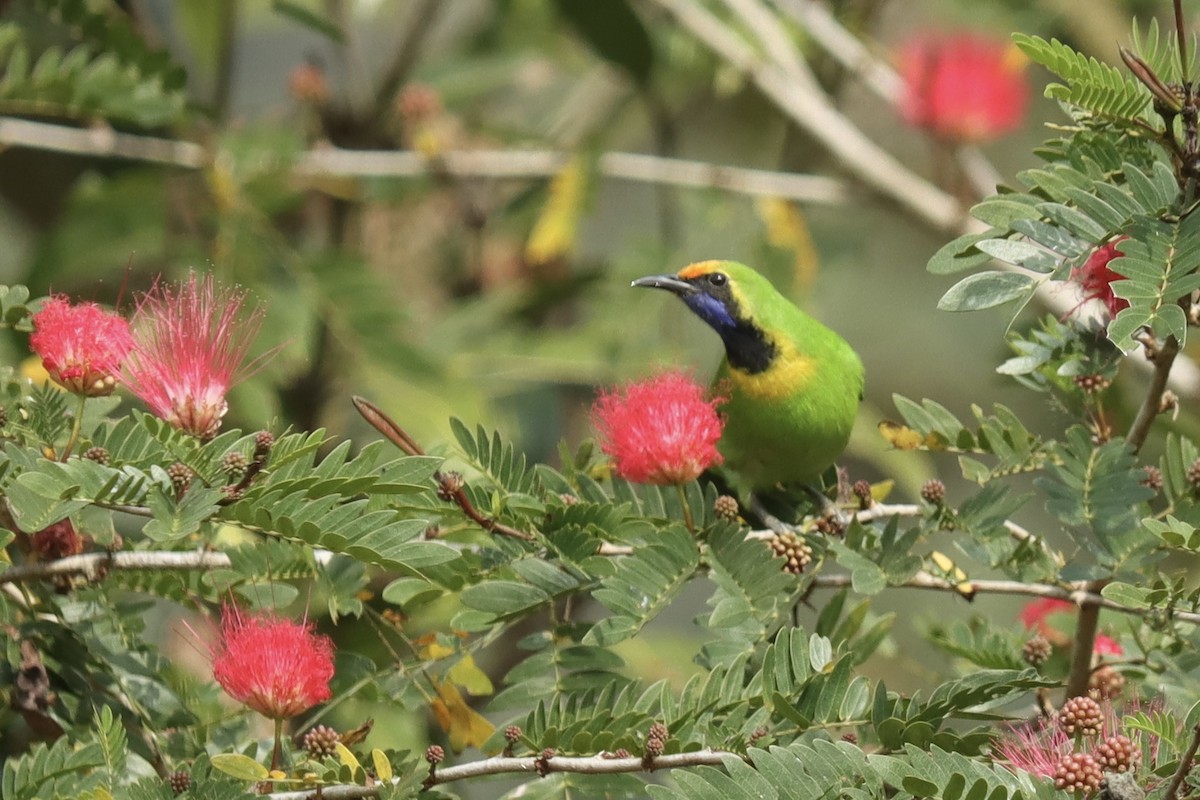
x,y
716,291
730,297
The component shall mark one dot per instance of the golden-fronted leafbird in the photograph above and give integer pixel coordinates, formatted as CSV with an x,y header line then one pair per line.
x,y
793,385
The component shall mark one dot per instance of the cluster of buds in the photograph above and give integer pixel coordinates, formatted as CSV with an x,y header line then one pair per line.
x,y
512,735
656,741
796,554
1106,683
862,491
320,742
1081,715
1078,772
1036,650
240,470
726,507
933,492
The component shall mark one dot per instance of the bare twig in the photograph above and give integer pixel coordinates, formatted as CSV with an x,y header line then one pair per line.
x,y
491,164
95,564
1164,359
92,565
1185,766
531,766
453,489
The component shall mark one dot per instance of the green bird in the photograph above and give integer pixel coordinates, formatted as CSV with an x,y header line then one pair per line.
x,y
793,385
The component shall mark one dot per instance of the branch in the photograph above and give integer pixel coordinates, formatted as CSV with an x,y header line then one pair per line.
x,y
814,112
95,565
1082,646
1185,766
880,77
1077,593
1164,359
494,164
531,766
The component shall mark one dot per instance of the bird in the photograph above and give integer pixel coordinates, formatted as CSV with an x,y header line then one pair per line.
x,y
791,385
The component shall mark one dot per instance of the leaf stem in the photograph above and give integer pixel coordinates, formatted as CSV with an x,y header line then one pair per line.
x,y
76,427
277,755
687,510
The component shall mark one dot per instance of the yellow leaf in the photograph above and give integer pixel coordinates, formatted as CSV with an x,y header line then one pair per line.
x,y
951,572
383,767
466,727
899,436
467,674
903,437
435,650
346,757
881,490
788,230
553,235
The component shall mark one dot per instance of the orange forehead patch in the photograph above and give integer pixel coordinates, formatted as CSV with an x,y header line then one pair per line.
x,y
697,269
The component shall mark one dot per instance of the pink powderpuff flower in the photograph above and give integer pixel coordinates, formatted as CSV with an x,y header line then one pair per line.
x,y
1035,747
81,346
277,667
663,430
1095,278
963,87
1033,616
190,345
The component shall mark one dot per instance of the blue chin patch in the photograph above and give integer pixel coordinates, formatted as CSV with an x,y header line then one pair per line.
x,y
711,310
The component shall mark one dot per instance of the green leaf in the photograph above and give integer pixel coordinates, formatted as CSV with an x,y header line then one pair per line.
x,y
643,584
1159,263
503,598
987,289
961,254
240,766
174,520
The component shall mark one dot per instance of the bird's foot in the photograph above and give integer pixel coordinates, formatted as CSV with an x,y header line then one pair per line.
x,y
826,509
773,523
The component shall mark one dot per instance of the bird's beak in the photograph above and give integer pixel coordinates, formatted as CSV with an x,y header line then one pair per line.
x,y
668,282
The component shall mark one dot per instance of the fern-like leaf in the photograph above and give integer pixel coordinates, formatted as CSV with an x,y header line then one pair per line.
x,y
1097,88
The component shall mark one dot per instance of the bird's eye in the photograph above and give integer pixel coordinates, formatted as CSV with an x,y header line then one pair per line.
x,y
717,278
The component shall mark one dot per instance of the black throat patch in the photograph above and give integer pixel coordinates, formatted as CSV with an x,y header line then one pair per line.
x,y
747,348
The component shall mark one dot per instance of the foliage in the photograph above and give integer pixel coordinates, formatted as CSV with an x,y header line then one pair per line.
x,y
495,601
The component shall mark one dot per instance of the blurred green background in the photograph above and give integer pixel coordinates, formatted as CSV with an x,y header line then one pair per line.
x,y
507,301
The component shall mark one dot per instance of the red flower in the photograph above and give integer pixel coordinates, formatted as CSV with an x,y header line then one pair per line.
x,y
662,431
1096,279
190,345
277,667
1034,613
965,88
57,541
1033,616
1035,747
81,346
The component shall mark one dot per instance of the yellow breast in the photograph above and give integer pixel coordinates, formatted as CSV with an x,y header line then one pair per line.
x,y
788,374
